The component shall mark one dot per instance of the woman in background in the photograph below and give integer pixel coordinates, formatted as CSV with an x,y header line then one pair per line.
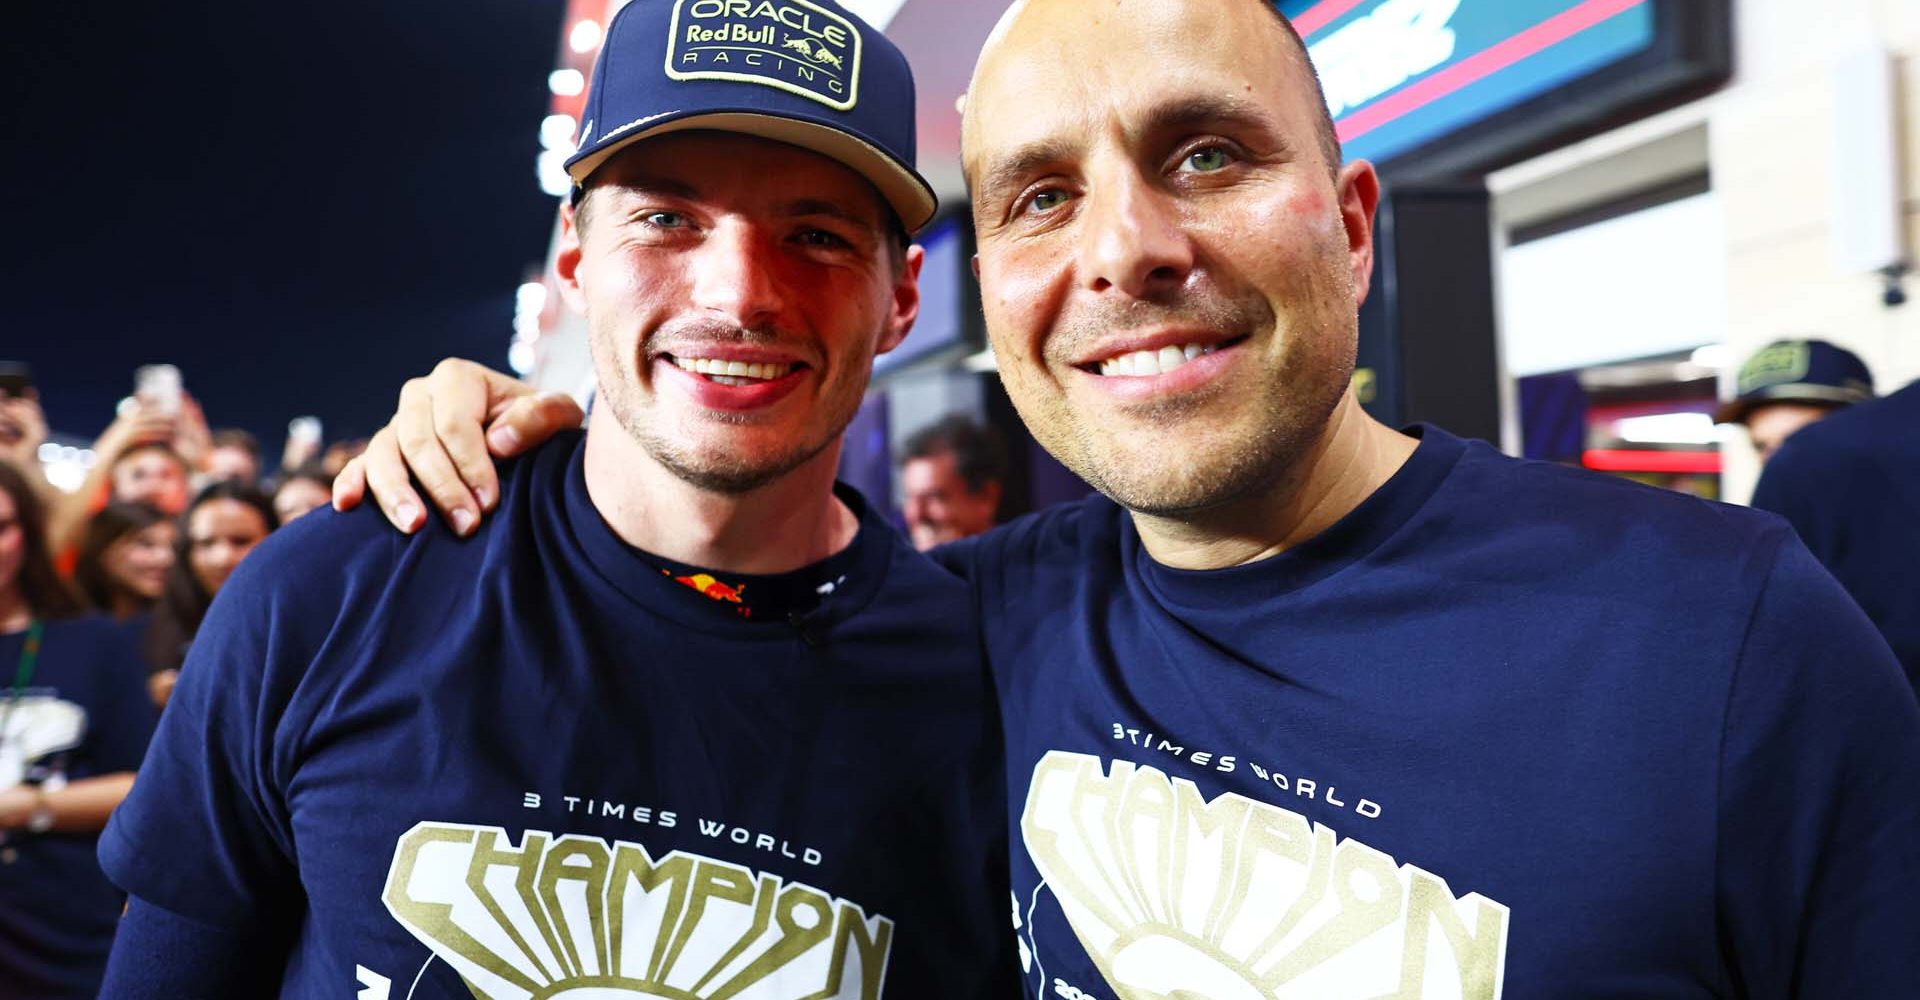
x,y
302,491
124,558
74,723
222,524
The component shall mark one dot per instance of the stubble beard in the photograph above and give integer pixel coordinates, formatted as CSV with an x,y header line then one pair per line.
x,y
1294,405
721,474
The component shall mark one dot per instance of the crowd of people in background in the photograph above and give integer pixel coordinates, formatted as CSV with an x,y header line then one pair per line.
x,y
101,592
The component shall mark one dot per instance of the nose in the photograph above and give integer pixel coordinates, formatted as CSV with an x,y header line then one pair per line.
x,y
1134,242
734,277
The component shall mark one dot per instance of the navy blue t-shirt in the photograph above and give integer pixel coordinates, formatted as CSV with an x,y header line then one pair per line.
x,y
1507,729
84,713
1850,485
532,761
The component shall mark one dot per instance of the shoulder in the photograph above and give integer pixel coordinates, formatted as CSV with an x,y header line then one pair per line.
x,y
1878,432
89,628
1563,519
330,570
1068,532
331,554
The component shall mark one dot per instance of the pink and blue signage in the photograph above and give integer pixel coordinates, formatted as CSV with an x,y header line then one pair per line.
x,y
1401,75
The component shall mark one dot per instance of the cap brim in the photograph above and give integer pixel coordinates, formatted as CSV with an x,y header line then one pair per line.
x,y
1736,411
910,197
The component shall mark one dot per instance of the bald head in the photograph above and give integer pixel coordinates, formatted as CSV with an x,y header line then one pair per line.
x,y
1009,40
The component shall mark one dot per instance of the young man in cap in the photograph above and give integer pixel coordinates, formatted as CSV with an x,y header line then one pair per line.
x,y
682,720
1314,708
1789,384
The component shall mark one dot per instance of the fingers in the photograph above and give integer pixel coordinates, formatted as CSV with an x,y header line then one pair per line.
x,y
417,430
530,420
461,396
350,486
385,473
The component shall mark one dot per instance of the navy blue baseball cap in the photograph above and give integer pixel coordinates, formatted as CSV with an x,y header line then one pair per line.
x,y
802,72
1798,371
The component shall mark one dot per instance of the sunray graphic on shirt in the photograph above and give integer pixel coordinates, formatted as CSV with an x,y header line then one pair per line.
x,y
579,918
1174,895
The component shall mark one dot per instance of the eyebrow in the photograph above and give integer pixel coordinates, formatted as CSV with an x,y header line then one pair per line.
x,y
1211,109
1009,170
831,209
644,184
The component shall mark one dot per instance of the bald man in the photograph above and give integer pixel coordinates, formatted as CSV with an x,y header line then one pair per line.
x,y
1306,706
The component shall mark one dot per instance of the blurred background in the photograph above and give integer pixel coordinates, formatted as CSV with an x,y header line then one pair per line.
x,y
1595,211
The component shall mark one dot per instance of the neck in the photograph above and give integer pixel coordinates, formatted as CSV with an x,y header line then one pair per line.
x,y
780,527
125,605
14,613
1354,456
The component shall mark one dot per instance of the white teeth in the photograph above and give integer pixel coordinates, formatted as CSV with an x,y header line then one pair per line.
x,y
1141,363
733,372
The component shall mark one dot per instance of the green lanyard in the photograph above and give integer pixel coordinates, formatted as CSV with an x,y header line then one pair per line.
x,y
23,675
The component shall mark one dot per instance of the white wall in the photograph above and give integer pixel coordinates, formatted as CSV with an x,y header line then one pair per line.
x,y
1769,150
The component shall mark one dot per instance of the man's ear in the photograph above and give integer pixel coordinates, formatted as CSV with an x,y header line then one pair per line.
x,y
1359,193
906,300
566,261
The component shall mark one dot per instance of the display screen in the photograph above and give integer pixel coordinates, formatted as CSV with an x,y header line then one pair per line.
x,y
947,297
1401,73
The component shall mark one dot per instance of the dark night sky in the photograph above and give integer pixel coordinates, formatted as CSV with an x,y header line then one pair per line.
x,y
299,204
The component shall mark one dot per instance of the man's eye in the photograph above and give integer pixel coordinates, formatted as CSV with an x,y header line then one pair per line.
x,y
1206,160
1047,201
666,220
823,238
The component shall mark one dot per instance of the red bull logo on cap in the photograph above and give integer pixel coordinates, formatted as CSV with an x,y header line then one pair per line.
x,y
792,45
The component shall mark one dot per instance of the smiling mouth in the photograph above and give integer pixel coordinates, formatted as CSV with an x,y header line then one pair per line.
x,y
1138,364
735,373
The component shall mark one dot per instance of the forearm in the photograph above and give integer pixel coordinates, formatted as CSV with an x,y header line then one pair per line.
x,y
67,515
78,807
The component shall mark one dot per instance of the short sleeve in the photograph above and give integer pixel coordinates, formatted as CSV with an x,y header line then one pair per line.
x,y
203,832
125,711
1819,800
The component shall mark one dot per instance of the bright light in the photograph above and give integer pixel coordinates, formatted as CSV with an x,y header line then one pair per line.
x,y
584,37
1667,428
566,82
875,12
65,466
1713,356
981,362
556,132
551,166
530,297
520,357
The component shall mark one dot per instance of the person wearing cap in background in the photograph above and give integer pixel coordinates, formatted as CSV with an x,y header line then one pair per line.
x,y
1789,384
683,718
1850,486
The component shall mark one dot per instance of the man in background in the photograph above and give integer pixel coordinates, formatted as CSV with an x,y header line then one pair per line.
x,y
952,473
1789,384
1851,488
